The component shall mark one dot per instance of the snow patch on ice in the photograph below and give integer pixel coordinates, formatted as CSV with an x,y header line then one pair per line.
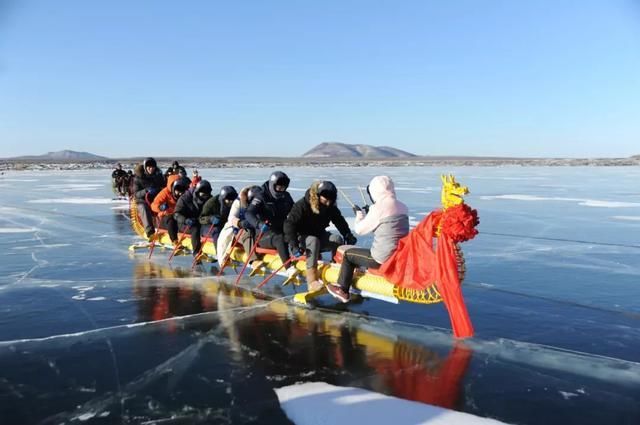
x,y
626,217
583,202
96,299
18,229
322,403
567,395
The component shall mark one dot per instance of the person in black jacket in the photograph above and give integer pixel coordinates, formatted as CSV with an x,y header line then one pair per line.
x,y
188,210
216,211
306,227
146,185
267,212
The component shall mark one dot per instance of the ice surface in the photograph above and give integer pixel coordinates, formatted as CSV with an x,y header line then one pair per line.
x,y
91,331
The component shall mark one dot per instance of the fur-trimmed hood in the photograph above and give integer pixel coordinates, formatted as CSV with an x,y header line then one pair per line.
x,y
313,198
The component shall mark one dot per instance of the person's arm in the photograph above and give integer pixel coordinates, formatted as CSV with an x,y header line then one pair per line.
x,y
138,189
254,212
338,220
179,213
158,201
367,223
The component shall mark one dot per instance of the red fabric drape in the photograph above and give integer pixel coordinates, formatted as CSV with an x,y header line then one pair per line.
x,y
417,265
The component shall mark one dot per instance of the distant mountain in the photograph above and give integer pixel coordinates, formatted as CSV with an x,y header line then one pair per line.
x,y
64,155
344,150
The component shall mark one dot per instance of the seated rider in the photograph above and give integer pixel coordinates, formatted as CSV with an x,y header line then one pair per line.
x,y
238,221
120,180
267,212
216,211
235,223
146,185
388,220
175,169
195,178
164,205
306,224
188,210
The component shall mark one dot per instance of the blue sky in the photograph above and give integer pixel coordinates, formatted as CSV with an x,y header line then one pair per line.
x,y
212,78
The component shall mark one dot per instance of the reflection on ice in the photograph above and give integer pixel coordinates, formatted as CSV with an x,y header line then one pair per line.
x,y
204,350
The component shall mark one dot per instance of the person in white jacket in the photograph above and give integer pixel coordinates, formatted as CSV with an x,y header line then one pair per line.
x,y
236,215
388,219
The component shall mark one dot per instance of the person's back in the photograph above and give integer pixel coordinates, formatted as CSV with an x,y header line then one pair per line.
x,y
387,218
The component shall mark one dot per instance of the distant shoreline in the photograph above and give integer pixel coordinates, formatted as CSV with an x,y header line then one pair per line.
x,y
253,162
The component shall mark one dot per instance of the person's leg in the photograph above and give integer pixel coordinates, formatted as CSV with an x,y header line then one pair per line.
x,y
169,223
196,243
275,240
312,251
247,240
331,242
353,258
147,218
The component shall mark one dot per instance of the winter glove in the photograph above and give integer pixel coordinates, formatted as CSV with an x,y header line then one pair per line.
x,y
215,220
366,209
356,208
264,227
190,222
297,254
235,230
163,207
349,239
152,191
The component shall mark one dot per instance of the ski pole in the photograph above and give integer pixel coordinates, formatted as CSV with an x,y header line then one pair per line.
x,y
185,230
344,195
285,264
227,252
364,200
253,249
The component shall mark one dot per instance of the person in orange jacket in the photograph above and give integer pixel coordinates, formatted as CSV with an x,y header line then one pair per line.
x,y
164,204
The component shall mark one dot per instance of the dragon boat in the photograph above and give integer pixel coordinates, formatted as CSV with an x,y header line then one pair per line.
x,y
418,272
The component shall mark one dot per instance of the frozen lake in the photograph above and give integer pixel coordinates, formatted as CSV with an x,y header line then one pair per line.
x,y
90,333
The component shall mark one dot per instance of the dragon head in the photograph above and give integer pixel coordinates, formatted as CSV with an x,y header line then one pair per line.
x,y
452,192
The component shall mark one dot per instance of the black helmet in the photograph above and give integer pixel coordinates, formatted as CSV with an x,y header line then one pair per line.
x,y
149,162
182,173
252,192
180,184
278,178
175,164
328,190
204,188
228,193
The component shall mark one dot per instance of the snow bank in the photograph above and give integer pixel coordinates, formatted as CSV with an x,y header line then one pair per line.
x,y
321,403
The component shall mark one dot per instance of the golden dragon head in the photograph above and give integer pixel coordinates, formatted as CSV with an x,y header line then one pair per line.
x,y
452,192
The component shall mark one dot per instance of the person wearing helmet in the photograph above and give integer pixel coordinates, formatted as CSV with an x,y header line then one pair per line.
x,y
216,210
306,225
388,220
188,210
267,212
146,185
164,205
236,221
175,169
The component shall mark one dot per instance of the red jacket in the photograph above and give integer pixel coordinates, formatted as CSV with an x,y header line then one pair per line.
x,y
165,197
